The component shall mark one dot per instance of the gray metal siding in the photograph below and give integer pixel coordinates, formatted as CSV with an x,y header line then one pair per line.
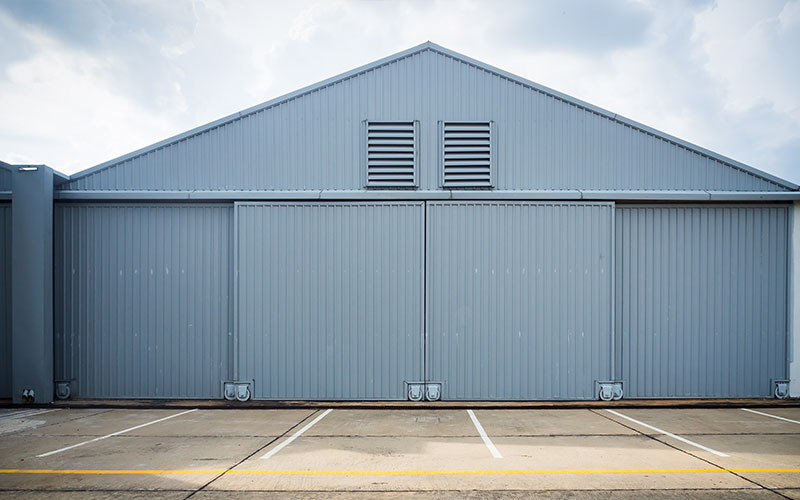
x,y
701,298
5,299
519,299
5,179
330,299
141,303
312,142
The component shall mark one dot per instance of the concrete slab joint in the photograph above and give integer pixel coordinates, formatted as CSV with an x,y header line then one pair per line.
x,y
238,391
609,390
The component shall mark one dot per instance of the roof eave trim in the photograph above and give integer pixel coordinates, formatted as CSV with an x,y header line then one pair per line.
x,y
535,195
59,178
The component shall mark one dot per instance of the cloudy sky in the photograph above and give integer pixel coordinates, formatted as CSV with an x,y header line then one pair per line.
x,y
84,81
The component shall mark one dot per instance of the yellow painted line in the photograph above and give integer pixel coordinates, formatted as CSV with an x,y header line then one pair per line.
x,y
385,472
108,471
493,472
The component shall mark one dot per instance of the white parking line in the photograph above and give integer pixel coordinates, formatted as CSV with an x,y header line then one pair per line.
x,y
488,442
113,434
773,416
692,443
296,435
25,413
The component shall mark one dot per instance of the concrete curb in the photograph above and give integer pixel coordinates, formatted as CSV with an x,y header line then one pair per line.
x,y
407,405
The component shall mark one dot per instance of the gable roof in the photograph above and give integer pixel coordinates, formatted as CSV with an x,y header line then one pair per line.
x,y
430,46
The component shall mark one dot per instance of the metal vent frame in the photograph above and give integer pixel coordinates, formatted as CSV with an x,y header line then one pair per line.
x,y
489,178
395,175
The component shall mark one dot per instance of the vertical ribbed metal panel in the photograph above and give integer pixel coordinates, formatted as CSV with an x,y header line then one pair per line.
x,y
5,299
313,142
141,302
701,298
519,299
330,299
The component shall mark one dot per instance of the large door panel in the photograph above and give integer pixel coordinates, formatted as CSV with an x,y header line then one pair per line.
x,y
519,299
330,299
141,299
701,299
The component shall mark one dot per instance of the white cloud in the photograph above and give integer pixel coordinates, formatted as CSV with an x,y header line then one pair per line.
x,y
749,51
60,109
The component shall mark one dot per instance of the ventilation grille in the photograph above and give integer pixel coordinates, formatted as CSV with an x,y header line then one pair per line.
x,y
467,154
392,154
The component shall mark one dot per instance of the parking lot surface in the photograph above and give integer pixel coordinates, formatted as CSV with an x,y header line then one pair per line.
x,y
397,453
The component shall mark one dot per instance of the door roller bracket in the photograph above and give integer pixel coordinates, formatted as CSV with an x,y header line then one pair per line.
x,y
237,391
609,390
415,391
423,391
780,389
433,391
63,389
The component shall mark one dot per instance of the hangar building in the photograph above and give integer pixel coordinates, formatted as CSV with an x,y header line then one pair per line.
x,y
423,227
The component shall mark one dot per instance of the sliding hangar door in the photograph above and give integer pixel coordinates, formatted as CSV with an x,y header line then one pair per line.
x,y
331,299
500,300
141,299
519,299
701,299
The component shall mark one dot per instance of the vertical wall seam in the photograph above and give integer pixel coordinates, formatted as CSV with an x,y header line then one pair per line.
x,y
425,293
612,262
235,350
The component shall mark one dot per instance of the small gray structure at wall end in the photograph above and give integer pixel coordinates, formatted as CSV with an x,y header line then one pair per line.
x,y
32,284
793,349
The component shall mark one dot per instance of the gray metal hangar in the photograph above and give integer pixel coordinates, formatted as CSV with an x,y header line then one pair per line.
x,y
426,226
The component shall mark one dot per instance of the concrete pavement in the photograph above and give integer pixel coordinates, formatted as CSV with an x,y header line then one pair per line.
x,y
394,453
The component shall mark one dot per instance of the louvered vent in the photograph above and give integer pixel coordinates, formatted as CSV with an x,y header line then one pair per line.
x,y
392,154
467,154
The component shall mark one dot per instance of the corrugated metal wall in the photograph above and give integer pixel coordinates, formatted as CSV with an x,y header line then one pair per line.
x,y
142,299
701,298
330,299
5,299
314,141
519,299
